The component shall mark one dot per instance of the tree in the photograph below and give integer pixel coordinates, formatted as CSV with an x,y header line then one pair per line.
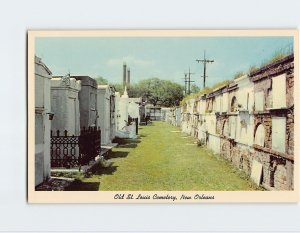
x,y
119,88
154,91
101,81
194,88
159,92
132,91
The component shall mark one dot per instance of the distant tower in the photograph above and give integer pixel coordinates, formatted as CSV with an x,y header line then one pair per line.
x,y
128,78
124,75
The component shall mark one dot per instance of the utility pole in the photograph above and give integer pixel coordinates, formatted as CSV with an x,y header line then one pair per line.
x,y
189,80
204,61
185,82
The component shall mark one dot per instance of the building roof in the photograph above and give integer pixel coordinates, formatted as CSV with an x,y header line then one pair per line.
x,y
85,80
38,61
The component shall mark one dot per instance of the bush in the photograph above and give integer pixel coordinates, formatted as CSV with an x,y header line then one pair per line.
x,y
252,69
201,142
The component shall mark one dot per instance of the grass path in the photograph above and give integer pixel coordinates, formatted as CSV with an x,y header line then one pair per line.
x,y
166,159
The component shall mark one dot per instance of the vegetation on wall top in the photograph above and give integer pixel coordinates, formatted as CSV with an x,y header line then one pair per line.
x,y
276,57
205,91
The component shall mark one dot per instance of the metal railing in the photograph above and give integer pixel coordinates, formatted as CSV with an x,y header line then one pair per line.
x,y
74,151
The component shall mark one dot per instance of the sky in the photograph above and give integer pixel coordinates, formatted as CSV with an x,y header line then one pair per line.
x,y
163,57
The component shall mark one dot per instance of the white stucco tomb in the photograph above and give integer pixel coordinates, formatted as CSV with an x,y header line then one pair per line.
x,y
87,101
65,104
106,111
43,115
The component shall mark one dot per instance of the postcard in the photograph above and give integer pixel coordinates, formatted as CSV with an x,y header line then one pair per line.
x,y
163,116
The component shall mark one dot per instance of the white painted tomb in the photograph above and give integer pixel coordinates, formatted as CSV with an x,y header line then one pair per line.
x,y
43,115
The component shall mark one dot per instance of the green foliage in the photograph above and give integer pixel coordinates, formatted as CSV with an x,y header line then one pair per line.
x,y
220,84
135,91
280,54
204,91
155,91
195,88
238,75
276,57
101,81
160,92
119,88
132,90
252,69
201,142
67,174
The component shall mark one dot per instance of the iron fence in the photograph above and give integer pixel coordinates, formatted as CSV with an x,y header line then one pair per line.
x,y
73,151
89,144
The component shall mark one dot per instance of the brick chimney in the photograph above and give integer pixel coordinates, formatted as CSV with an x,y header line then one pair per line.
x,y
128,78
124,74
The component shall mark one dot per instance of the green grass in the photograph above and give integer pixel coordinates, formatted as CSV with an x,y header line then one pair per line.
x,y
164,159
238,75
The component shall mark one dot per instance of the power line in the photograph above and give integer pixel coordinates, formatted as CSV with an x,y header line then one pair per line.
x,y
204,61
189,81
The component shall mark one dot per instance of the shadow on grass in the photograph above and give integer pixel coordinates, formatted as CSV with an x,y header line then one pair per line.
x,y
127,143
124,141
78,185
105,170
117,154
100,169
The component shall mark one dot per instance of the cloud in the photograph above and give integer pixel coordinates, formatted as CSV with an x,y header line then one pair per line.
x,y
130,61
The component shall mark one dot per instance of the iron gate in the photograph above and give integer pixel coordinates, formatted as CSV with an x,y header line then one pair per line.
x,y
73,151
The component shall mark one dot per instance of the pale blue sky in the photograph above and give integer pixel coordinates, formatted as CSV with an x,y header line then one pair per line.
x,y
162,57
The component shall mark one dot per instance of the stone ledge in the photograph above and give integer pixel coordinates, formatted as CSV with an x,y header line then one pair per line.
x,y
273,152
233,114
261,112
